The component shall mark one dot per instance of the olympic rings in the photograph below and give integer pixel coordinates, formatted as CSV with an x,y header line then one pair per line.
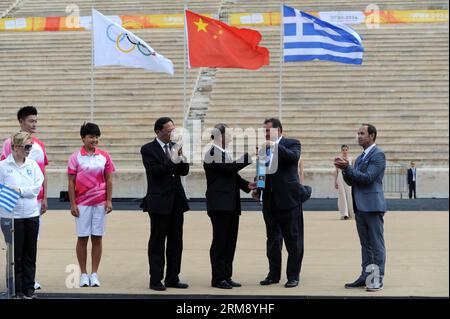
x,y
143,49
109,37
123,50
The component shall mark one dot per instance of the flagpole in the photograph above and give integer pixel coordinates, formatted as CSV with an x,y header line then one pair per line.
x,y
185,68
280,102
92,66
186,2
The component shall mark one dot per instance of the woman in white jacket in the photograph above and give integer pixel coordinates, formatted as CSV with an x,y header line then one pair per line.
x,y
23,175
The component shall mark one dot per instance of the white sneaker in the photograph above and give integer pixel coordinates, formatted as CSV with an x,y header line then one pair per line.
x,y
84,280
94,280
37,285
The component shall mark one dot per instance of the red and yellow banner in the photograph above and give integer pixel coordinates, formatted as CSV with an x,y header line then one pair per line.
x,y
236,19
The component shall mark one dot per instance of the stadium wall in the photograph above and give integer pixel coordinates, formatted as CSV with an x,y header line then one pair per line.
x,y
132,183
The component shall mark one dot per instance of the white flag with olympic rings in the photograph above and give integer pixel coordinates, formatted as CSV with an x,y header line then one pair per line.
x,y
114,45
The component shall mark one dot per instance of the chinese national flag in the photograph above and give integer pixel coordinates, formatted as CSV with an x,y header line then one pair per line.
x,y
213,43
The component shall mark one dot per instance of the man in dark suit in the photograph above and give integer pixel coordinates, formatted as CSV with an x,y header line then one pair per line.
x,y
165,203
223,202
282,207
412,178
366,179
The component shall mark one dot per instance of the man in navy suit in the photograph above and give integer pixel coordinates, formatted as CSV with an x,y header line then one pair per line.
x,y
282,206
165,203
366,179
412,178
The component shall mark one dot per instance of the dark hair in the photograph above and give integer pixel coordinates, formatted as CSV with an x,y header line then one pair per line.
x,y
159,124
276,123
26,111
89,129
371,130
221,127
344,145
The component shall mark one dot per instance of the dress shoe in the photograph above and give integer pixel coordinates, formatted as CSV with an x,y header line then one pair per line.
x,y
222,285
291,283
373,288
233,283
268,281
358,283
157,286
180,285
30,295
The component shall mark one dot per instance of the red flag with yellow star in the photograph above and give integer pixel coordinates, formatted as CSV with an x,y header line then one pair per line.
x,y
213,43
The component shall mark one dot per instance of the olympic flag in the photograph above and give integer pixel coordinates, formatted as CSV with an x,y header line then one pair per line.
x,y
114,45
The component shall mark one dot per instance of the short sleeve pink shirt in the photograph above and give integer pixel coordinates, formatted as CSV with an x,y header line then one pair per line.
x,y
90,171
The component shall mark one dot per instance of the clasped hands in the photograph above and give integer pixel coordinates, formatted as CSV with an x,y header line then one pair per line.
x,y
341,163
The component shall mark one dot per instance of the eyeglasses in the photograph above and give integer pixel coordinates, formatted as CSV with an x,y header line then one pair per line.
x,y
27,147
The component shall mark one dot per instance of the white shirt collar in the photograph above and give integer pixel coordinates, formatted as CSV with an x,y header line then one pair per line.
x,y
162,143
279,139
219,148
367,150
10,159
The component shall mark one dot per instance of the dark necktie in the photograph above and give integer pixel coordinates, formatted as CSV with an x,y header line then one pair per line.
x,y
268,151
361,159
166,150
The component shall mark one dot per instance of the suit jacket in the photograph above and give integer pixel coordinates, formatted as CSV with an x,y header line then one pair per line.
x,y
282,181
366,179
223,180
164,186
410,175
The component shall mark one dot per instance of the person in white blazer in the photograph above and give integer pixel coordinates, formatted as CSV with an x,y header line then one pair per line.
x,y
23,175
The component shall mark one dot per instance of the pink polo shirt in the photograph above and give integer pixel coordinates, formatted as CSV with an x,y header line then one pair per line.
x,y
90,170
37,153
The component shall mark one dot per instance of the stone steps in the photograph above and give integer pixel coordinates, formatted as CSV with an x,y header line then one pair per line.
x,y
120,148
309,163
318,117
57,7
347,132
402,87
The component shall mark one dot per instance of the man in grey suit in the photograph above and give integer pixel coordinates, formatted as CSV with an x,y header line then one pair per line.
x,y
366,179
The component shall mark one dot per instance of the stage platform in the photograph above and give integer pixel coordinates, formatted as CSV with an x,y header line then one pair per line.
x,y
417,257
313,204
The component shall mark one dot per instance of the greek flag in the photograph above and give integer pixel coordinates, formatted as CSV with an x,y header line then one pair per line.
x,y
8,198
308,38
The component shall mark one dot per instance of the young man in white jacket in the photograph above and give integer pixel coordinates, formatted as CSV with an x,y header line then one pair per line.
x,y
23,175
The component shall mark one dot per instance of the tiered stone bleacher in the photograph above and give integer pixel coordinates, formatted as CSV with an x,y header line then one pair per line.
x,y
336,5
4,5
402,88
57,7
52,71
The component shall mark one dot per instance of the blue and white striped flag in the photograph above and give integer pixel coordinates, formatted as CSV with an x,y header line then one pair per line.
x,y
308,38
8,198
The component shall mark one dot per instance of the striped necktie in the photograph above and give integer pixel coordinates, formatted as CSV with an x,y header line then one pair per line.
x,y
166,150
